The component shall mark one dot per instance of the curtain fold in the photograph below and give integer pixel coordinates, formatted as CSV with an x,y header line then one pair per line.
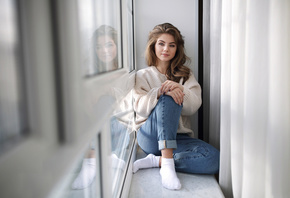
x,y
255,98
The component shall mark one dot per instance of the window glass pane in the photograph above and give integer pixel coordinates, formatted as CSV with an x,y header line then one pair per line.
x,y
107,104
84,178
130,29
87,175
100,36
12,123
122,141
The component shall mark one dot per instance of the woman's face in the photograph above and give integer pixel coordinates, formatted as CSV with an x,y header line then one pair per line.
x,y
106,49
165,47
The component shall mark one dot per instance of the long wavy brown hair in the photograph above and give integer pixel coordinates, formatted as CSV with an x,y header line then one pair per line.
x,y
176,69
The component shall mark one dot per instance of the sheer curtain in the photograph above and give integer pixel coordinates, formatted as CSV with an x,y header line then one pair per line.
x,y
255,98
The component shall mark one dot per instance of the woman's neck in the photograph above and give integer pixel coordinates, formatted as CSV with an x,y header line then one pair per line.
x,y
162,66
111,66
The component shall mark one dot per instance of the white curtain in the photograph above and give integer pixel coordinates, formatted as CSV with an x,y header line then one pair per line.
x,y
255,98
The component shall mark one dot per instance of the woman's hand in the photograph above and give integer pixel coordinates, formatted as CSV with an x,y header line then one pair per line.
x,y
177,95
173,89
170,85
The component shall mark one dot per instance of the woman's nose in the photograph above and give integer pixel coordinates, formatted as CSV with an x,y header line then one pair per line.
x,y
165,48
104,50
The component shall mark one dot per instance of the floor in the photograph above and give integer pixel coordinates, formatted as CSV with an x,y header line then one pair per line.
x,y
147,183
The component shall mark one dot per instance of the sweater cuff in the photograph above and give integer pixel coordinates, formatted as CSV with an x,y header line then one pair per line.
x,y
186,92
153,101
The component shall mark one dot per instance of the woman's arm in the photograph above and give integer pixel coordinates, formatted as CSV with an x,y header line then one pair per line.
x,y
192,96
146,94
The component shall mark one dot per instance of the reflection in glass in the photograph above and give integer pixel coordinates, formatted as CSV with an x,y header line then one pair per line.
x,y
100,45
99,23
105,46
122,138
85,179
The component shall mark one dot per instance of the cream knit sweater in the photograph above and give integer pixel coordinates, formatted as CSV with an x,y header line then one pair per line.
x,y
148,81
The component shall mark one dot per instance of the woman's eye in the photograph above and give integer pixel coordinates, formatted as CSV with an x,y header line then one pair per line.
x,y
172,45
161,44
109,45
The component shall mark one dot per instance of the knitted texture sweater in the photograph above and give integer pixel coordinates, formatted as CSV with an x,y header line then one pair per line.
x,y
148,82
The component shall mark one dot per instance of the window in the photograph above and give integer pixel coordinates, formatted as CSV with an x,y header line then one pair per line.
x,y
13,124
105,100
130,34
75,106
100,32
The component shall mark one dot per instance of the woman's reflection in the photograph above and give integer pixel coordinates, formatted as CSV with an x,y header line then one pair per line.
x,y
106,59
105,47
120,140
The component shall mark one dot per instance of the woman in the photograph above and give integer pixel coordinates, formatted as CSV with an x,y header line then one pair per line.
x,y
166,94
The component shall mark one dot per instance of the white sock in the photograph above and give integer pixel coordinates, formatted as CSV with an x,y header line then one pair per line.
x,y
150,161
168,174
117,162
86,175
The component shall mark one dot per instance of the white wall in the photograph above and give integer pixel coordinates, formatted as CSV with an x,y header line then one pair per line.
x,y
181,13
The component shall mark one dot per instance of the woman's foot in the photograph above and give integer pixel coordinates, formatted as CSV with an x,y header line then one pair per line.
x,y
86,175
151,161
168,174
117,162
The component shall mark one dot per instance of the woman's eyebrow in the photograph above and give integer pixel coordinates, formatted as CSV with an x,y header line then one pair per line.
x,y
164,42
105,42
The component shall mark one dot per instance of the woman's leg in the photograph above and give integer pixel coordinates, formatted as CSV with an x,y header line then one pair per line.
x,y
160,129
195,156
88,171
159,133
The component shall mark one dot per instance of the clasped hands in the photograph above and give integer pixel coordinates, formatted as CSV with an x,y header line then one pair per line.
x,y
173,89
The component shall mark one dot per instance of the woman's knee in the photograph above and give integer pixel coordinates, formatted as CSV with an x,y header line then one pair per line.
x,y
196,156
167,106
214,162
168,100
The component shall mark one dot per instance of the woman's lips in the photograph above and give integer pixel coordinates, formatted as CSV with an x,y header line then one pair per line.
x,y
165,54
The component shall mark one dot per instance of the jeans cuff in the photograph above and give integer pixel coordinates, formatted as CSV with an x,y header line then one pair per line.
x,y
164,144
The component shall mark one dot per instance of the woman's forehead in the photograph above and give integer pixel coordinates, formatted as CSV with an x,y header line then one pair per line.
x,y
168,38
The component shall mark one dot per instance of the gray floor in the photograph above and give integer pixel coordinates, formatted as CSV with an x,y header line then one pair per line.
x,y
147,183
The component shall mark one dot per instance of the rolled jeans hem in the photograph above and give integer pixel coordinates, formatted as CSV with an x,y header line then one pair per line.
x,y
167,144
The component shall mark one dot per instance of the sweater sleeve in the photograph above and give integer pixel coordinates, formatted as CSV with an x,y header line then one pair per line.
x,y
145,95
192,98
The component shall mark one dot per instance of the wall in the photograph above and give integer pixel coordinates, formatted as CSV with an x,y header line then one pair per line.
x,y
182,14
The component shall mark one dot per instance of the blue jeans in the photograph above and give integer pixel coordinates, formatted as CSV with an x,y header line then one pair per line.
x,y
190,155
119,136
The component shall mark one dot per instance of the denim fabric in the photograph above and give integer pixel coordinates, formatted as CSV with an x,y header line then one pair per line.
x,y
162,123
160,131
119,136
195,156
